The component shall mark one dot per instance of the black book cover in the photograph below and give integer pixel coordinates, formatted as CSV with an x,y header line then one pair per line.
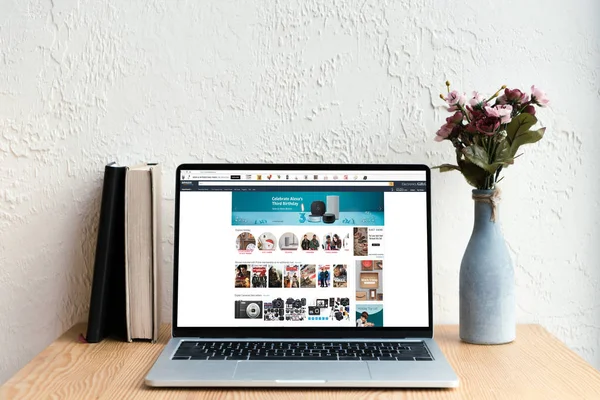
x,y
107,315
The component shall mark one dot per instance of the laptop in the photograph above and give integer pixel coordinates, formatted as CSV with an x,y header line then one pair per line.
x,y
314,275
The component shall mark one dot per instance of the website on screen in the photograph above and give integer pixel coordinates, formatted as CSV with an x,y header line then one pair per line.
x,y
303,249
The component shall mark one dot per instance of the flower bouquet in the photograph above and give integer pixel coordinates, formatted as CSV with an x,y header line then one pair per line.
x,y
487,132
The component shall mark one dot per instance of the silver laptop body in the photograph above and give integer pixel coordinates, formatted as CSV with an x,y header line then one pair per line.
x,y
290,275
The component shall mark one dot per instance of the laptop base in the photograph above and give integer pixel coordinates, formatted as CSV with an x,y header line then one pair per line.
x,y
167,372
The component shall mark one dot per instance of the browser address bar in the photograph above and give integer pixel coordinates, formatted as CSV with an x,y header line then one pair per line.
x,y
276,183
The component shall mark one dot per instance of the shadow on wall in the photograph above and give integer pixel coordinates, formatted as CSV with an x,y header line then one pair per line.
x,y
53,274
81,265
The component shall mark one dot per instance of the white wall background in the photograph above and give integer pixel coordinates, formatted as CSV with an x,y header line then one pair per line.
x,y
85,82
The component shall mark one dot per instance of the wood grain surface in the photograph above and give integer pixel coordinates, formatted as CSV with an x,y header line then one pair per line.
x,y
536,365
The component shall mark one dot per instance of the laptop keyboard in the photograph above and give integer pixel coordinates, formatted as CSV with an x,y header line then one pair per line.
x,y
299,351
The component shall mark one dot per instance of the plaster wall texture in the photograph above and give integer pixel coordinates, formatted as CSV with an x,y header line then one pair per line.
x,y
83,83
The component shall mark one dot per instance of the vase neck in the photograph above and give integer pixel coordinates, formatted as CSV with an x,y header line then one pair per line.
x,y
486,208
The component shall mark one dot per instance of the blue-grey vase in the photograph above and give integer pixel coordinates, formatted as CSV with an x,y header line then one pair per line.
x,y
487,281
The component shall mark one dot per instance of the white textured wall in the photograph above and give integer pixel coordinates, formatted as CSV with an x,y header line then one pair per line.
x,y
85,82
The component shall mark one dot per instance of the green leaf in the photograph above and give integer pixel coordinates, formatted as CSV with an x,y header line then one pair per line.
x,y
474,175
447,167
526,138
478,156
518,125
503,153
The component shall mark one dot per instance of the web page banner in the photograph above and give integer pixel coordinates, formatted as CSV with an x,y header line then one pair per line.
x,y
308,208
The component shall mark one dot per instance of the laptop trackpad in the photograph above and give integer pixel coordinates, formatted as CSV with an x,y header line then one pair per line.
x,y
302,370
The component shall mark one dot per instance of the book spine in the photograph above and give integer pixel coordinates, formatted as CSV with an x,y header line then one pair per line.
x,y
109,258
128,337
156,172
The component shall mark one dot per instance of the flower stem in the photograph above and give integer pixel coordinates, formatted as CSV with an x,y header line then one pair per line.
x,y
490,149
495,94
464,111
498,174
523,108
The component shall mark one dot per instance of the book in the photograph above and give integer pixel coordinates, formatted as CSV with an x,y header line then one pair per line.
x,y
142,200
123,302
107,314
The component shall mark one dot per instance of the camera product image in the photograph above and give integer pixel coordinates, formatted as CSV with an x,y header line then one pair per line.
x,y
340,308
295,309
278,303
319,311
322,303
341,302
295,303
248,309
328,218
275,310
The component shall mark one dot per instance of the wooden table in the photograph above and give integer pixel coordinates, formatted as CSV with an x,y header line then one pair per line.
x,y
537,365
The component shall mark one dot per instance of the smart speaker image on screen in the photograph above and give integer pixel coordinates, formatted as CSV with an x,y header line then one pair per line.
x,y
288,241
303,249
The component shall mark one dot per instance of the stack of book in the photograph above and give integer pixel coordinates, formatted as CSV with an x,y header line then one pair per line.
x,y
123,303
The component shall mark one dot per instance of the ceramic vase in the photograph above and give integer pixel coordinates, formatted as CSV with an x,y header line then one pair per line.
x,y
487,285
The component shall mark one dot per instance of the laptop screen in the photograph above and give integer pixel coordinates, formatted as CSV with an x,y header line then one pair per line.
x,y
302,249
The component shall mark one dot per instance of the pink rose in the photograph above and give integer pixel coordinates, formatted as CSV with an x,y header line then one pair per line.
x,y
488,125
500,111
444,132
539,97
455,119
476,99
474,113
514,96
471,128
455,100
491,111
529,110
504,112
